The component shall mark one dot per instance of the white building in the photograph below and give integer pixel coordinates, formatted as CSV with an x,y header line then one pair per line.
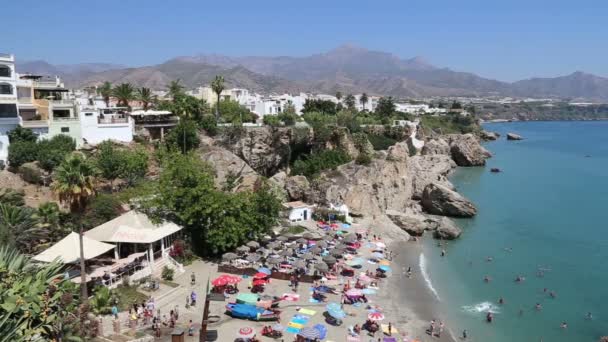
x,y
298,211
9,110
99,124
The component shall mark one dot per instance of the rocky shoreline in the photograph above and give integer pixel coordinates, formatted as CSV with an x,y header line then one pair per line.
x,y
405,185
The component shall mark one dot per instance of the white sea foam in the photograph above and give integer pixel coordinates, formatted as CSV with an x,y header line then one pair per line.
x,y
482,307
425,275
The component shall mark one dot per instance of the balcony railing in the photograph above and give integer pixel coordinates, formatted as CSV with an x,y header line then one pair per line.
x,y
7,56
62,102
112,120
34,123
64,118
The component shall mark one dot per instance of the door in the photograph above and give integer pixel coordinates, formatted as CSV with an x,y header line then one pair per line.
x,y
305,215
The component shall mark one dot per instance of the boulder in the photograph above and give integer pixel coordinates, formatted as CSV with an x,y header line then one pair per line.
x,y
446,229
413,224
264,149
427,169
466,150
32,173
438,199
399,152
279,179
436,146
513,136
297,187
488,136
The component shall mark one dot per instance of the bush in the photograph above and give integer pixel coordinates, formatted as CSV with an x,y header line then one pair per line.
x,y
20,134
272,120
52,152
312,164
380,142
209,125
167,273
21,152
30,173
363,159
103,208
185,132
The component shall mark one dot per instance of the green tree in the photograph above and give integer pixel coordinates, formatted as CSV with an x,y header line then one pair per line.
x,y
234,112
22,152
19,228
106,91
74,184
175,88
183,137
109,161
209,124
321,106
37,302
350,101
386,107
21,134
134,166
52,152
289,116
49,219
272,120
311,165
339,95
101,209
124,93
218,86
363,99
144,95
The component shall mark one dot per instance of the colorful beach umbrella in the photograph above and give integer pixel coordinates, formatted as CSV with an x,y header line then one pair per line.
x,y
384,268
264,270
354,293
378,255
246,332
260,275
384,262
376,316
225,279
321,329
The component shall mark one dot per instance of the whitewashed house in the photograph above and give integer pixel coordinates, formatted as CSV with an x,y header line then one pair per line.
x,y
99,124
9,112
298,211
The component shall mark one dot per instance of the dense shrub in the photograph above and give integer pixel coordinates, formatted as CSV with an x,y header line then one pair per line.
x,y
53,151
31,173
21,152
184,136
209,124
381,142
272,120
102,208
21,134
312,164
363,159
167,273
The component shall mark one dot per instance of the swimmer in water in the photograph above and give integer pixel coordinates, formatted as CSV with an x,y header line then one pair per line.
x,y
521,312
443,252
553,294
589,316
538,307
520,279
501,301
487,279
489,259
564,325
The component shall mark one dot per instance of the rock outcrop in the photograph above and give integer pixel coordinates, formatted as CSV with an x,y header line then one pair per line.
x,y
446,229
413,223
489,136
440,200
466,150
264,149
513,136
436,146
225,164
297,187
279,179
427,169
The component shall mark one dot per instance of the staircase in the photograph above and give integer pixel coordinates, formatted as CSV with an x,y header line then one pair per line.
x,y
168,261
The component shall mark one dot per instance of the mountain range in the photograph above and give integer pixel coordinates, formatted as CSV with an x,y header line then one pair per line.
x,y
349,69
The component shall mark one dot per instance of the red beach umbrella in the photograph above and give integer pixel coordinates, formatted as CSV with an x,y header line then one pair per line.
x,y
246,332
376,316
260,275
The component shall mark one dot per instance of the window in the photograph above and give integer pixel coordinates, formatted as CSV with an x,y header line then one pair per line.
x,y
8,110
5,71
6,89
88,114
65,129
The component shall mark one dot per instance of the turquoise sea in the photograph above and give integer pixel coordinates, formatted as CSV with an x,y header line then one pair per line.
x,y
550,206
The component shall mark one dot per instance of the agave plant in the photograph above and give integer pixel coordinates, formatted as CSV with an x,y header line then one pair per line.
x,y
100,303
19,227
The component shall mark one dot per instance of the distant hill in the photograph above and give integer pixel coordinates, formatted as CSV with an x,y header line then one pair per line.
x,y
348,68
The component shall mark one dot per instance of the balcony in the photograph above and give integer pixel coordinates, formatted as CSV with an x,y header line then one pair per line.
x,y
6,57
65,118
62,103
35,123
109,120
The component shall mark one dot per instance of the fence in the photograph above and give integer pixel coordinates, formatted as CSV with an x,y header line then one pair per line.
x,y
249,271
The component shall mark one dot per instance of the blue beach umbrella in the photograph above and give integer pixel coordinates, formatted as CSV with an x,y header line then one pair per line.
x,y
378,255
264,270
368,291
385,268
321,329
309,333
345,226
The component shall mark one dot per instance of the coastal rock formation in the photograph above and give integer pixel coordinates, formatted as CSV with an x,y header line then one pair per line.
x,y
399,152
296,187
226,163
440,200
264,149
513,136
466,150
446,229
279,179
487,135
436,146
427,169
413,223
342,139
32,173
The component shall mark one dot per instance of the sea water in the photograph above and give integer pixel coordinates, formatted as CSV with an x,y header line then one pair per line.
x,y
546,211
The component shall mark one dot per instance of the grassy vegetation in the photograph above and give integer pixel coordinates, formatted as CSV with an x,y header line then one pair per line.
x,y
313,164
448,124
380,142
127,295
293,230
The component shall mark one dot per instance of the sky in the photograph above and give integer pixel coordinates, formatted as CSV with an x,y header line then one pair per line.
x,y
501,39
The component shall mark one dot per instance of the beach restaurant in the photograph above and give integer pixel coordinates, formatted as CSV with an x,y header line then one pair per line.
x,y
134,232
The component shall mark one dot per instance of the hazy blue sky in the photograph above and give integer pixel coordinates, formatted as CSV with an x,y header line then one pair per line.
x,y
511,40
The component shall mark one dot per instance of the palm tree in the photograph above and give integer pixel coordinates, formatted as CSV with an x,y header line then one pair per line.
x,y
218,86
105,90
363,99
124,93
144,95
339,95
74,184
349,101
175,88
19,227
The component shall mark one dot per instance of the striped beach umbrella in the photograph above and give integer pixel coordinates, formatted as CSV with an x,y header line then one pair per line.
x,y
376,316
309,333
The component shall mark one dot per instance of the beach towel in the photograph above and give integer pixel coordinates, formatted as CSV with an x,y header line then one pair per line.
x,y
299,321
304,317
353,339
312,300
295,325
308,312
394,330
290,297
292,330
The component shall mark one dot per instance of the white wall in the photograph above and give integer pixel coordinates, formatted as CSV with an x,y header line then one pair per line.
x,y
95,132
299,214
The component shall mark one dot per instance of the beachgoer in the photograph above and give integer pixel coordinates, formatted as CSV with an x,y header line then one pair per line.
x,y
521,312
501,301
190,328
489,259
487,279
538,307
192,279
115,311
390,329
193,298
464,334
443,252
589,316
564,325
441,326
553,294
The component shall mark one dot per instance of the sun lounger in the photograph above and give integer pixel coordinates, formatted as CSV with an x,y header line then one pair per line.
x,y
308,312
384,328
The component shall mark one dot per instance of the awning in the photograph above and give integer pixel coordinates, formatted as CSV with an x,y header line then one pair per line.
x,y
67,250
132,227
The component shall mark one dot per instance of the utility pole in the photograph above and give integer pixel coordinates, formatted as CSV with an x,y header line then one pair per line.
x,y
203,331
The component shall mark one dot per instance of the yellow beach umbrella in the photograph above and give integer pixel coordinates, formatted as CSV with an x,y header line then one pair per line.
x,y
384,262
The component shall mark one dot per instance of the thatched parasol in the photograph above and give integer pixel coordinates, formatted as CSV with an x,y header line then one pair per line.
x,y
282,238
253,257
350,238
253,244
316,250
243,249
286,252
229,256
329,260
308,256
308,235
299,264
301,240
322,244
337,253
322,267
273,261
